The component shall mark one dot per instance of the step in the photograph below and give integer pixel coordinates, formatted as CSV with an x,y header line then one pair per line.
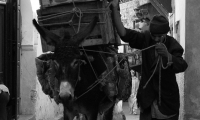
x,y
26,117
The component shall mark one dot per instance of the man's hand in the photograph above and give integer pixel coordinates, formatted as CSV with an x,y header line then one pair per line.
x,y
162,50
115,3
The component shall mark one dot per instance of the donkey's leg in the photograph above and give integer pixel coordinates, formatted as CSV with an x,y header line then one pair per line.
x,y
69,115
108,115
93,115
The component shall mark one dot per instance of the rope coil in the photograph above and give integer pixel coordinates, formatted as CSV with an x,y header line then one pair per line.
x,y
159,65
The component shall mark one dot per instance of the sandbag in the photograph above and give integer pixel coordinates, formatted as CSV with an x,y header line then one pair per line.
x,y
124,83
46,72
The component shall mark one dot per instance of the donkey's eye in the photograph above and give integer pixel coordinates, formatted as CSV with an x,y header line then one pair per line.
x,y
75,63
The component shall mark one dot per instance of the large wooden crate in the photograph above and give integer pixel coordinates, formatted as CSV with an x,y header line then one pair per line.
x,y
74,16
48,3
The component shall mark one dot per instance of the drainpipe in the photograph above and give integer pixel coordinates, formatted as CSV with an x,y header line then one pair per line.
x,y
10,63
18,55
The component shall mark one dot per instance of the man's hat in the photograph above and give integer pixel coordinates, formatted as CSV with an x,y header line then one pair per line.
x,y
159,25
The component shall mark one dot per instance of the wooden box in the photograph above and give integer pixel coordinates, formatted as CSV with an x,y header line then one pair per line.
x,y
48,3
74,16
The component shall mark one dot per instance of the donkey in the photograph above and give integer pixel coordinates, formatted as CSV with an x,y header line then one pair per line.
x,y
75,74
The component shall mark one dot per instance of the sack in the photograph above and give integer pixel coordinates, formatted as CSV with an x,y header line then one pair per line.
x,y
45,67
125,81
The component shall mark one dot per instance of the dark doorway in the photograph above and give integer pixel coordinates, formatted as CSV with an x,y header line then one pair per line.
x,y
8,53
2,12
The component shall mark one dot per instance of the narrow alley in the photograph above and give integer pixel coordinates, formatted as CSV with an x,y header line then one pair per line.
x,y
53,52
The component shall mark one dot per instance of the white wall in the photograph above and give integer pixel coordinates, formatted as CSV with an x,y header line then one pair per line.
x,y
33,100
180,16
127,13
192,55
179,9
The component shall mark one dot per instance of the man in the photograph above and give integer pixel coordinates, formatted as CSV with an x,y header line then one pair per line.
x,y
4,99
158,93
144,24
132,99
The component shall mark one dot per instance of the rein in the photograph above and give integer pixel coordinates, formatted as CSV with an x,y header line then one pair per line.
x,y
78,78
158,64
100,80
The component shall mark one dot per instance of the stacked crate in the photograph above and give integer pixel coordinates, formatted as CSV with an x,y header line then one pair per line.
x,y
73,16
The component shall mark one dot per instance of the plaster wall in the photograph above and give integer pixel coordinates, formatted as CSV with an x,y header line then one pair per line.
x,y
127,13
127,16
144,1
178,20
27,76
33,101
192,55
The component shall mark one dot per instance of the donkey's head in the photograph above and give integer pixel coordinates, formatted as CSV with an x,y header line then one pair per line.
x,y
66,57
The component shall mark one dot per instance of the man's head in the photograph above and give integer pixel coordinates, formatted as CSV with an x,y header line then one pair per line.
x,y
132,73
159,27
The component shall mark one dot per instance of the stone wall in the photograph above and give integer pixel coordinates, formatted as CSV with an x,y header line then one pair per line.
x,y
192,55
127,13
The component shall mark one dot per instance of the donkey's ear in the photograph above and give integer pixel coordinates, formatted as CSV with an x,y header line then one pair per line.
x,y
86,32
49,37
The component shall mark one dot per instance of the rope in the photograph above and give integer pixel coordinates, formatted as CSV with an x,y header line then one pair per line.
x,y
159,61
168,59
159,89
126,55
98,82
90,63
92,69
103,60
98,51
152,73
78,78
160,65
75,10
47,17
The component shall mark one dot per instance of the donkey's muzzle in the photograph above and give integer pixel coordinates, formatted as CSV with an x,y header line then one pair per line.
x,y
66,91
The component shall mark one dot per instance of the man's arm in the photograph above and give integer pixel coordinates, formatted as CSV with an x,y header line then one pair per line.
x,y
176,50
179,64
117,19
133,37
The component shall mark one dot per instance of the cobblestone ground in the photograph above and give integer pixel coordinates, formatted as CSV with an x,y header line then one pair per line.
x,y
126,112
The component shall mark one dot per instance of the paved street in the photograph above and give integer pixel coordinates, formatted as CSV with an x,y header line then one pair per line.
x,y
126,111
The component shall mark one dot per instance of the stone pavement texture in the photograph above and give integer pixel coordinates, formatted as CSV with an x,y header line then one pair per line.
x,y
126,112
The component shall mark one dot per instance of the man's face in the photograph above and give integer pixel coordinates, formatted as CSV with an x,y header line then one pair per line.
x,y
158,37
132,73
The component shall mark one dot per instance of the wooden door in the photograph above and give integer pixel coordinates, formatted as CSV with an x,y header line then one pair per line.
x,y
2,18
